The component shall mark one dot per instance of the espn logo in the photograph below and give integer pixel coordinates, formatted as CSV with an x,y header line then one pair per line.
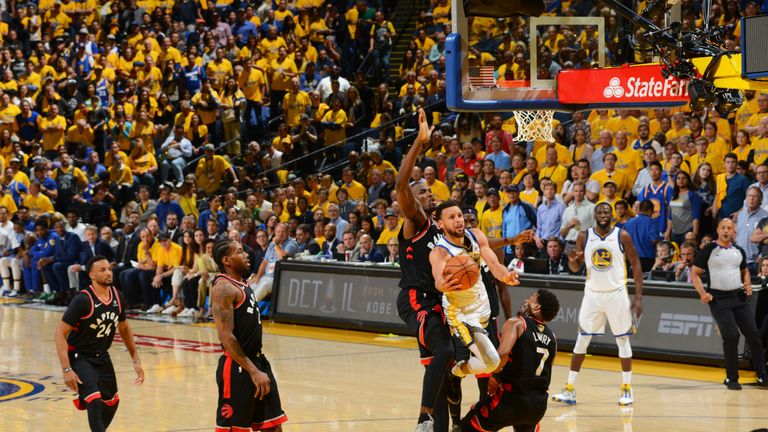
x,y
686,325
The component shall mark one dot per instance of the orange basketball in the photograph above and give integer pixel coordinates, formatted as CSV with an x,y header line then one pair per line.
x,y
463,268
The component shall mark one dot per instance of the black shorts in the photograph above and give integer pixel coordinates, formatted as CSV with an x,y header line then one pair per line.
x,y
238,409
418,310
521,410
98,379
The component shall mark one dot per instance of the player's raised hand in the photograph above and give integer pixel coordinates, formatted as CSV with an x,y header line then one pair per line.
x,y
524,237
261,382
139,373
425,131
71,380
512,278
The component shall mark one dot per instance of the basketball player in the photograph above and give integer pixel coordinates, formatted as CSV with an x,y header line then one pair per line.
x,y
517,393
248,396
468,311
605,297
419,302
83,339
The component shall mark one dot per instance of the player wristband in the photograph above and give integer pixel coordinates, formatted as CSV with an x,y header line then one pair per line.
x,y
67,369
137,362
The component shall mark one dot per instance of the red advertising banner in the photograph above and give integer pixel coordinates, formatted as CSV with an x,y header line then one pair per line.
x,y
631,84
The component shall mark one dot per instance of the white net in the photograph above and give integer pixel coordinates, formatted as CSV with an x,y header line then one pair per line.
x,y
534,125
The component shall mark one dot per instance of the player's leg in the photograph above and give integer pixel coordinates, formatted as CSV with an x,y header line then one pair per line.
x,y
493,335
591,323
619,314
453,392
484,359
268,414
745,319
437,339
110,398
89,396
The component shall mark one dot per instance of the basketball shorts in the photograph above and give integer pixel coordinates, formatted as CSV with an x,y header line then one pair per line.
x,y
98,379
477,314
597,307
462,351
418,310
522,411
238,409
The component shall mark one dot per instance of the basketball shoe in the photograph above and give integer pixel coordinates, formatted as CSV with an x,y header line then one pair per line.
x,y
626,395
426,426
567,395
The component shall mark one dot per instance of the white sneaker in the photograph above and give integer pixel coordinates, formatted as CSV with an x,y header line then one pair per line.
x,y
456,370
12,294
188,312
170,310
567,395
427,426
626,395
155,309
5,292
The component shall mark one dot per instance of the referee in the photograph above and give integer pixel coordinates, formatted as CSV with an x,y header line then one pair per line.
x,y
728,297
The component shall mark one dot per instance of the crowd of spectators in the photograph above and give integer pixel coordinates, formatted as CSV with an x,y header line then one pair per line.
x,y
144,131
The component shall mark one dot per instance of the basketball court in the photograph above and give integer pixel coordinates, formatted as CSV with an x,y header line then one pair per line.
x,y
334,380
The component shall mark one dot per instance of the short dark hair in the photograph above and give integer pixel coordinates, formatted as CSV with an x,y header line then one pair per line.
x,y
221,250
444,205
93,261
605,203
550,305
656,164
731,156
646,206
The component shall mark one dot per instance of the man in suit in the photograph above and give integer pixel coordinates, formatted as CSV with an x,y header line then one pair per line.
x,y
305,240
331,242
54,268
126,249
173,229
91,247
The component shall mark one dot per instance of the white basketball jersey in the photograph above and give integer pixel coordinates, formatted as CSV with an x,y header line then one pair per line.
x,y
605,261
466,297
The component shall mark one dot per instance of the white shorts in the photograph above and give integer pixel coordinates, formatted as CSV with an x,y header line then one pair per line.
x,y
596,307
476,314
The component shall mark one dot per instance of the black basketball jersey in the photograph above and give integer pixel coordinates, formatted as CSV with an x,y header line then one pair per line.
x,y
94,320
415,269
490,287
247,317
532,355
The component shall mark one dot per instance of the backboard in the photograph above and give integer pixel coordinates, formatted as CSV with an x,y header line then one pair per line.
x,y
463,93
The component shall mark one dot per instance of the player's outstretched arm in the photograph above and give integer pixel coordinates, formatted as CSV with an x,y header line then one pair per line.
x,y
223,298
524,237
576,257
126,333
415,217
492,261
437,259
637,271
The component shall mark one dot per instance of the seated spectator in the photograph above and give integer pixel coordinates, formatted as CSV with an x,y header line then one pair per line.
x,y
393,255
665,260
557,261
54,268
683,267
281,248
344,251
91,247
366,251
140,274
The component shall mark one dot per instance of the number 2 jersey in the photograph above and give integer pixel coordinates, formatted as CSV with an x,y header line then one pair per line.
x,y
93,320
530,362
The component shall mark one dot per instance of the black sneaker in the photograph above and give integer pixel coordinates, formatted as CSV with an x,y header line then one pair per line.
x,y
732,385
761,382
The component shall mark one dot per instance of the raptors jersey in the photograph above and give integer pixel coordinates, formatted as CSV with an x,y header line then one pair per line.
x,y
605,261
248,330
532,355
94,320
471,248
415,269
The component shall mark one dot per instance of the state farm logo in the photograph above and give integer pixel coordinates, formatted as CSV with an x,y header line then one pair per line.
x,y
614,89
646,88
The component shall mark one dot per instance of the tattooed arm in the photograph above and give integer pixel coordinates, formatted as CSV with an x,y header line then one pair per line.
x,y
224,296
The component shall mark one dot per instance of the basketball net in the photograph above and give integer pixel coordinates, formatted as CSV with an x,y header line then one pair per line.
x,y
534,125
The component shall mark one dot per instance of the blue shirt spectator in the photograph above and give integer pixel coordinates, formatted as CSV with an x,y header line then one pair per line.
x,y
516,217
736,191
270,257
220,217
549,216
644,231
500,159
27,124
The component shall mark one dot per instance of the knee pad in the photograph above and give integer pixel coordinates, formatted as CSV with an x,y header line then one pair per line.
x,y
625,349
582,342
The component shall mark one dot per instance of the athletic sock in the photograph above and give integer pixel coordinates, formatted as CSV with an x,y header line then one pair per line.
x,y
17,285
572,375
7,284
626,378
46,288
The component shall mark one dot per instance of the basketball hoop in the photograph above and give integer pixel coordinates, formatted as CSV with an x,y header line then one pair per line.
x,y
534,125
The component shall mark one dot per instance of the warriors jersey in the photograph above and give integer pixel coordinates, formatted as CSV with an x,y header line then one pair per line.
x,y
93,320
471,248
605,261
247,318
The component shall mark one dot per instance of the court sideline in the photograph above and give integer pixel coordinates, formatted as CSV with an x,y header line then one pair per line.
x,y
333,380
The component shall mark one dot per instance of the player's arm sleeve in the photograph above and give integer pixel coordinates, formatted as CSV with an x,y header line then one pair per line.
x,y
78,308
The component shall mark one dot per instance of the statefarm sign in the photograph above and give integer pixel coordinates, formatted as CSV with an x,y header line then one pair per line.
x,y
629,84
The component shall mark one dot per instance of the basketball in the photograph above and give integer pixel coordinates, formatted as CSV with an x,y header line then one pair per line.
x,y
463,268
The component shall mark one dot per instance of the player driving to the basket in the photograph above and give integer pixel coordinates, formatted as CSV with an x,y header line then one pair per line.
x,y
467,311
